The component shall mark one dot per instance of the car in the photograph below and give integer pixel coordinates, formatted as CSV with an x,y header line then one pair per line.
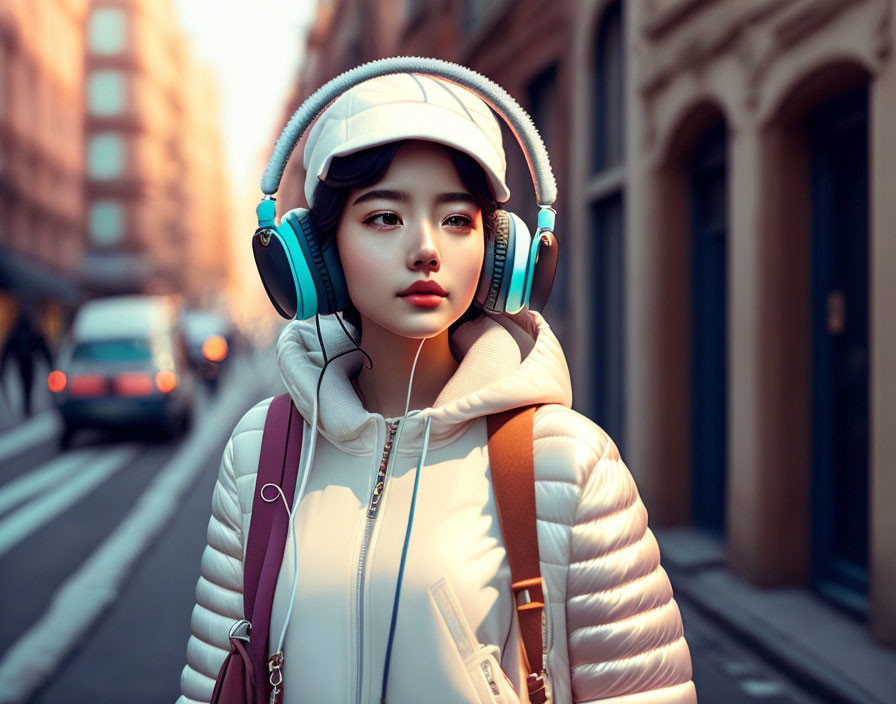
x,y
210,343
124,364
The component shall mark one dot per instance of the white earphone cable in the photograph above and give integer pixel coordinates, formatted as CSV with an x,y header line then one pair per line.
x,y
407,403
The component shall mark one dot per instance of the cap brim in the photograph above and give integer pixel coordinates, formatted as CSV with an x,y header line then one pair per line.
x,y
392,122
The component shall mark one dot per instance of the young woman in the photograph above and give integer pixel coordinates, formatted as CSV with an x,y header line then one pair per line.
x,y
405,173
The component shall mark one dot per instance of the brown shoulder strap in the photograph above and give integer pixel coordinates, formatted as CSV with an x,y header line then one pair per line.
x,y
513,482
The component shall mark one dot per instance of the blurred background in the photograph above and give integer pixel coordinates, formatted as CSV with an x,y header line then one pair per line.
x,y
726,212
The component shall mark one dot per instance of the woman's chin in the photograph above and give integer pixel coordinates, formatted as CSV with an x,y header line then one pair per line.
x,y
416,324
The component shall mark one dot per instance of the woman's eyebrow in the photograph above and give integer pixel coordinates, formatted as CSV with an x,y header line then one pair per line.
x,y
461,196
382,195
403,196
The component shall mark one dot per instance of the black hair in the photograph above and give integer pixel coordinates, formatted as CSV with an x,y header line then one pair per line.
x,y
367,167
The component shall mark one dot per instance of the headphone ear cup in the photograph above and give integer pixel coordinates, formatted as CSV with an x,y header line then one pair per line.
x,y
276,271
491,292
506,273
322,264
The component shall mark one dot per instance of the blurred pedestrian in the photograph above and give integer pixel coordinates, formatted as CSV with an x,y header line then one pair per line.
x,y
23,344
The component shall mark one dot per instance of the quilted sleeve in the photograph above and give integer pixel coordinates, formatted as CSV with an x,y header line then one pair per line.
x,y
219,592
625,638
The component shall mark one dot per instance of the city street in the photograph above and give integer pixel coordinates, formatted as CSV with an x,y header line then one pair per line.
x,y
101,587
100,547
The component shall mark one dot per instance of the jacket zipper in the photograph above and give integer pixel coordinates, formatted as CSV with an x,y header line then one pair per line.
x,y
373,506
487,671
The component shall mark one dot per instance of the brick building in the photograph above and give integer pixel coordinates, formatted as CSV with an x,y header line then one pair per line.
x,y
155,173
41,157
724,177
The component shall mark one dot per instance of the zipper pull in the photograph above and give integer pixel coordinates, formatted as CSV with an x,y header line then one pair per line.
x,y
487,670
378,488
275,667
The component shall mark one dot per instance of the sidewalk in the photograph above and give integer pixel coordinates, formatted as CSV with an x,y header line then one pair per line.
x,y
825,651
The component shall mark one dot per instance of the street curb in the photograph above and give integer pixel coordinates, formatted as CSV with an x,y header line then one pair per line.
x,y
815,676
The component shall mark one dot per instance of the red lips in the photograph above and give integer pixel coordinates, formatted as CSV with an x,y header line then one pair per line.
x,y
424,287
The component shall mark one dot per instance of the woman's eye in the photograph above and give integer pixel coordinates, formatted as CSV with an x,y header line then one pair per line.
x,y
383,220
458,221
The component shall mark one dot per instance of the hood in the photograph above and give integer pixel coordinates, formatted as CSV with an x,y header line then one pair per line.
x,y
506,361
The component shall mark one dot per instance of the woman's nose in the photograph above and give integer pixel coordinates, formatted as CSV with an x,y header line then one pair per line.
x,y
424,254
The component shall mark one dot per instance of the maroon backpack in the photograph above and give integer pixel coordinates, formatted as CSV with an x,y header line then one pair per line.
x,y
244,678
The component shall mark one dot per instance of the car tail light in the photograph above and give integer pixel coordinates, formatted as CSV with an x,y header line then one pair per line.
x,y
134,384
166,380
87,385
56,381
214,349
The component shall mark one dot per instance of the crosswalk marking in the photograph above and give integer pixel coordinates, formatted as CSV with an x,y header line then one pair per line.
x,y
29,434
86,593
46,475
21,523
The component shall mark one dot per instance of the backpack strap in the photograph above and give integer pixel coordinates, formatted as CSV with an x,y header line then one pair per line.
x,y
281,446
513,482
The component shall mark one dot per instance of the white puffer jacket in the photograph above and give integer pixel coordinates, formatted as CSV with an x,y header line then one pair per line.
x,y
614,632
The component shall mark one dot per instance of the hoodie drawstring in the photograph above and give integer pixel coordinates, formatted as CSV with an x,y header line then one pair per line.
x,y
404,554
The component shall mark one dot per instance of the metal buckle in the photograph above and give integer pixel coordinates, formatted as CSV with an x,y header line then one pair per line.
x,y
536,687
523,595
241,630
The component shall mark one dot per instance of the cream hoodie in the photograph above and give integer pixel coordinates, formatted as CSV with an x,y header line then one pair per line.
x,y
613,630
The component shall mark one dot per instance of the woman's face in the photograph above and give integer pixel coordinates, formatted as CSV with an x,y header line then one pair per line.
x,y
418,223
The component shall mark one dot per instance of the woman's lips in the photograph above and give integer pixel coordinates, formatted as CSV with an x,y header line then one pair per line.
x,y
423,300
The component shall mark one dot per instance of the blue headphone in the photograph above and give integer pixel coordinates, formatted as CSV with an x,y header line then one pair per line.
x,y
302,278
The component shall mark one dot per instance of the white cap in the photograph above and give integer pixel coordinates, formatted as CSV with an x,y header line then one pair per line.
x,y
406,106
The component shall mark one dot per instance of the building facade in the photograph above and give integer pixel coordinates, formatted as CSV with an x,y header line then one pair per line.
x,y
41,156
724,178
759,347
154,157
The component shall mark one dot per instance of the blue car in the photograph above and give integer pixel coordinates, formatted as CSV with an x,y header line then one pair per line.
x,y
124,365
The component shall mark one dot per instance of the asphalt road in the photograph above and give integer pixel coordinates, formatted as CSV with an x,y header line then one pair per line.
x,y
74,628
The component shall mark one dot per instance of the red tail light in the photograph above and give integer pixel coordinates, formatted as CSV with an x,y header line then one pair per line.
x,y
133,384
56,381
166,381
87,385
214,349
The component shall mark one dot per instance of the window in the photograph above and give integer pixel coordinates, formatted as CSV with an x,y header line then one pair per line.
x,y
475,12
106,222
106,30
105,156
412,8
127,349
608,140
542,92
607,306
607,204
105,92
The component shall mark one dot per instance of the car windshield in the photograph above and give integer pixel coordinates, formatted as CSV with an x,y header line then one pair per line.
x,y
199,325
113,350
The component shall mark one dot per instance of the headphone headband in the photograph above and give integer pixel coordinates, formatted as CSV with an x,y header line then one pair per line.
x,y
497,98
